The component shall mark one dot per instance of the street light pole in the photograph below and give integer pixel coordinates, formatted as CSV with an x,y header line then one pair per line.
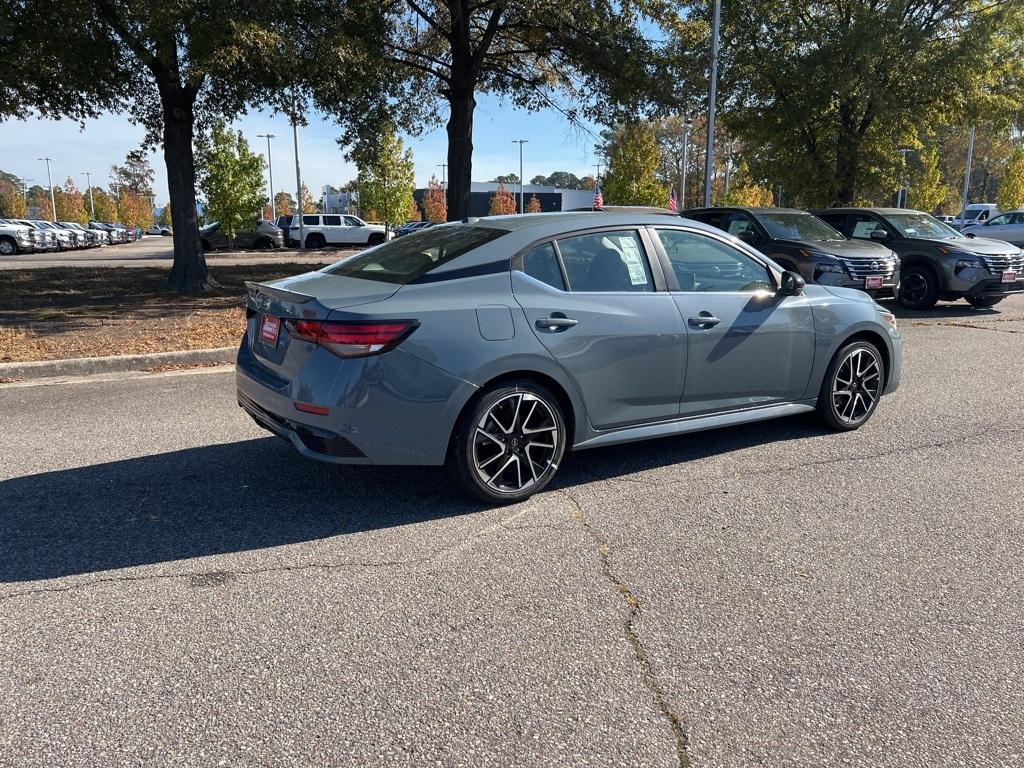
x,y
270,169
967,176
53,202
92,203
709,159
687,124
24,189
520,142
444,175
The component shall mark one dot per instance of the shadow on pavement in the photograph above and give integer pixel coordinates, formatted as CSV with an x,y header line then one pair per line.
x,y
259,493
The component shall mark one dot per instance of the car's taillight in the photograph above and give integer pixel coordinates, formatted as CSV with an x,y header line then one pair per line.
x,y
352,339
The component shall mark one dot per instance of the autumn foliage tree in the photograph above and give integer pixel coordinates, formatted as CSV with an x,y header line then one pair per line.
x,y
308,206
71,204
435,205
12,202
133,209
1011,183
502,202
533,204
284,204
106,206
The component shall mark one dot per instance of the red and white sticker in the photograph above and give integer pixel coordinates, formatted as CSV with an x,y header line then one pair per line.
x,y
269,329
873,281
1009,277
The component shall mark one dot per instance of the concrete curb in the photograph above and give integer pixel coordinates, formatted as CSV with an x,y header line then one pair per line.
x,y
81,366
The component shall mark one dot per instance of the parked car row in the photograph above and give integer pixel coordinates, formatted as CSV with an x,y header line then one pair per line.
x,y
897,252
35,236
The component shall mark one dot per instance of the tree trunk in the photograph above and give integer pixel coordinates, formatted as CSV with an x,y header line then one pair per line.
x,y
189,273
460,150
847,164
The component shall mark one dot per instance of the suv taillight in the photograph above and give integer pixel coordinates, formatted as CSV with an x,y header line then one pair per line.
x,y
352,339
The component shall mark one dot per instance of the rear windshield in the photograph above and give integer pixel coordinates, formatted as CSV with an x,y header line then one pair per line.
x,y
411,256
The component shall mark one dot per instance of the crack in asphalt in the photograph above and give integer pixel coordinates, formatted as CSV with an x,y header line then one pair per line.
x,y
658,697
953,324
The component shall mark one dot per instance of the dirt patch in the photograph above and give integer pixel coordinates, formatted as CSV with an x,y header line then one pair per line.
x,y
49,314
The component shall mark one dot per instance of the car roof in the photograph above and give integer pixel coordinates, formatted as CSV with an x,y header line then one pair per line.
x,y
745,208
855,209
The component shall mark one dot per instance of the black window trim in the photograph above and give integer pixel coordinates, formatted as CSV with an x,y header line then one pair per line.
x,y
666,262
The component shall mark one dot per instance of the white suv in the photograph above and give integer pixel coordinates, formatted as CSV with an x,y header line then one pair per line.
x,y
320,229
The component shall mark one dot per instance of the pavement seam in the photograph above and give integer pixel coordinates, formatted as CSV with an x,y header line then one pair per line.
x,y
650,680
952,324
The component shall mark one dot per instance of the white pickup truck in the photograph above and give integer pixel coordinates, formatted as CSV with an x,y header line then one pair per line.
x,y
15,238
321,229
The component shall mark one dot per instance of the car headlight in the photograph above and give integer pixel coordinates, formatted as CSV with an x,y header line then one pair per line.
x,y
962,264
829,267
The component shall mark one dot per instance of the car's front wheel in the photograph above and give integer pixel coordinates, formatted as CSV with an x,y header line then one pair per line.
x,y
509,444
376,238
919,288
315,242
8,247
852,387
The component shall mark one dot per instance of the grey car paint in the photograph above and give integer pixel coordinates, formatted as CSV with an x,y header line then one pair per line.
x,y
477,322
1007,226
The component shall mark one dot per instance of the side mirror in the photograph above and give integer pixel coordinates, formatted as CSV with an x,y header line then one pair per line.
x,y
879,234
792,284
748,236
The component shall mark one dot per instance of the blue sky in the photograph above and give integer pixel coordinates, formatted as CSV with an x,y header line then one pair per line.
x,y
554,146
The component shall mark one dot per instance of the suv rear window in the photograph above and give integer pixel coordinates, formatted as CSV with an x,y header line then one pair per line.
x,y
405,259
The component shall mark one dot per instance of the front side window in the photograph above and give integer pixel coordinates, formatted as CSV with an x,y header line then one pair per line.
x,y
352,221
407,258
702,264
332,221
542,264
606,262
863,226
311,221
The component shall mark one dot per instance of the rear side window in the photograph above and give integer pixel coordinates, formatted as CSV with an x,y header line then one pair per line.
x,y
603,262
311,220
407,258
542,264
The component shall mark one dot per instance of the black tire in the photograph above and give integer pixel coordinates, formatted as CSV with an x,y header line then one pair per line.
x,y
315,241
205,245
535,441
864,390
8,246
263,244
375,238
919,288
983,302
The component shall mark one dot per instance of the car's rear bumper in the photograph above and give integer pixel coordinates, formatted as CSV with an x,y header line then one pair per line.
x,y
386,409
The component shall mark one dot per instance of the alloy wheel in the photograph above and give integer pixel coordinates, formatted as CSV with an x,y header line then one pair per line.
x,y
7,248
515,443
914,288
856,386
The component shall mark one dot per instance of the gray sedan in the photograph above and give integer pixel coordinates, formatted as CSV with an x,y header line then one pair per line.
x,y
1007,226
494,346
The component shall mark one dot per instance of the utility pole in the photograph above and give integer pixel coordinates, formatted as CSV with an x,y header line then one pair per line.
x,y
709,159
687,125
520,142
298,174
967,175
24,189
444,175
903,196
92,203
53,202
270,169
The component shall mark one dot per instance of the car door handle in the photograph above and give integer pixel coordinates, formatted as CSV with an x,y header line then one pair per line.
x,y
704,320
554,323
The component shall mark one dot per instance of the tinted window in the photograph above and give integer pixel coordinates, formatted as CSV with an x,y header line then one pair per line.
x,y
606,261
414,255
311,220
864,225
332,221
714,218
834,220
352,221
797,226
703,264
542,264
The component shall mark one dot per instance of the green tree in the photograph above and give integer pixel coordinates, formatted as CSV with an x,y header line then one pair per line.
x,y
106,206
508,178
136,174
823,94
385,177
533,204
1011,183
633,160
927,189
435,205
164,219
502,202
230,177
564,180
539,180
744,190
71,204
12,202
591,54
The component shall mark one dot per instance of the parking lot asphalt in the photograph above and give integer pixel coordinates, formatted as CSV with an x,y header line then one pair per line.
x,y
178,588
158,251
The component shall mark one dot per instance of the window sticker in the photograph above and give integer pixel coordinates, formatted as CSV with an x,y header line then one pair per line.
x,y
633,259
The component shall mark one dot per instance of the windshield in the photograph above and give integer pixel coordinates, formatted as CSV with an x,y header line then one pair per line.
x,y
922,226
797,226
410,257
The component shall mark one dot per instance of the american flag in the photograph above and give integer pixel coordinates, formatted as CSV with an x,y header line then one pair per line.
x,y
598,199
672,205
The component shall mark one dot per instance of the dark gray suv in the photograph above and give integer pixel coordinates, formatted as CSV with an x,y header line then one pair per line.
x,y
802,243
937,261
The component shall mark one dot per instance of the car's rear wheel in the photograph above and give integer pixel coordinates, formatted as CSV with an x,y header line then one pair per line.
x,y
316,241
919,288
509,444
852,386
982,302
376,238
263,244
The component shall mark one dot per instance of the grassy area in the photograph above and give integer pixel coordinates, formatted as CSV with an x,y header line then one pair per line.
x,y
48,314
